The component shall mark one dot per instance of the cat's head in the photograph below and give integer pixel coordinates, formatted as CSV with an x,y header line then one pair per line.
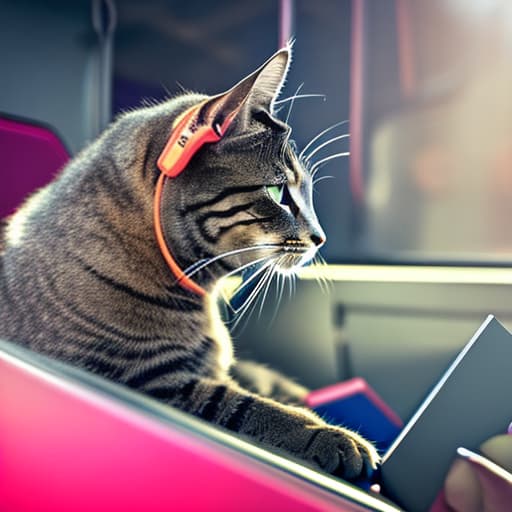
x,y
246,196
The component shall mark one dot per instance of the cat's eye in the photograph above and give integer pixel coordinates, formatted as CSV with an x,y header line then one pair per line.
x,y
276,192
279,195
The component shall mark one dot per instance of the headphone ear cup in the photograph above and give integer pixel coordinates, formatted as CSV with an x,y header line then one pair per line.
x,y
188,134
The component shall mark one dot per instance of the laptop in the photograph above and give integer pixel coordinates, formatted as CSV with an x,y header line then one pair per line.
x,y
470,403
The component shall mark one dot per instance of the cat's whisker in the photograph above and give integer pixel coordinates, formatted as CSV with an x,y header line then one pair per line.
x,y
268,279
267,287
299,96
246,266
291,283
195,268
289,280
277,301
317,165
249,280
328,282
239,313
281,281
307,158
263,270
242,311
316,137
225,298
317,180
263,296
321,285
314,265
292,102
319,279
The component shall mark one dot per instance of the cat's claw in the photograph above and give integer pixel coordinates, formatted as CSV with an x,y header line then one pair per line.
x,y
343,453
369,457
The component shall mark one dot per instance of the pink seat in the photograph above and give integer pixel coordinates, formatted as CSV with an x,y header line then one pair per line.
x,y
72,441
30,156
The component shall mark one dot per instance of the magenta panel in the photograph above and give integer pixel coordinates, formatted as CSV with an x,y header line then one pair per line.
x,y
30,156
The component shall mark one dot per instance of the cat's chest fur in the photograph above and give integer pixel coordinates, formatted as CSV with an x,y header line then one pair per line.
x,y
218,332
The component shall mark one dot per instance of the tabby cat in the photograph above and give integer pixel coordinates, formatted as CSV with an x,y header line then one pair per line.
x,y
83,278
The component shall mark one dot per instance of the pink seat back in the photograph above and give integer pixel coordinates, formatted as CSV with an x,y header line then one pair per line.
x,y
30,156
71,441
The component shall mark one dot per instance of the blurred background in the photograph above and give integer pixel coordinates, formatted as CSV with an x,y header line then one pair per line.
x,y
425,86
417,218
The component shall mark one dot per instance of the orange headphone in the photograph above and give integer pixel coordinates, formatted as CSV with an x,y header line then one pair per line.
x,y
189,134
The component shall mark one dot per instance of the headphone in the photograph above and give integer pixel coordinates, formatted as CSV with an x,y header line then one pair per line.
x,y
201,124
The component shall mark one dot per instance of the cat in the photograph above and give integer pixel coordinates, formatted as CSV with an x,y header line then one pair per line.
x,y
84,279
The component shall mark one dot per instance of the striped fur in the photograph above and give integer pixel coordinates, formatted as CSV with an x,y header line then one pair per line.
x,y
82,278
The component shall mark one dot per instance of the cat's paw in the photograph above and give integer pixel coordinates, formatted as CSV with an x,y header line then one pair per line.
x,y
341,452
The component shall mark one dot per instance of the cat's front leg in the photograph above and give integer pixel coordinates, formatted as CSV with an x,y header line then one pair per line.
x,y
264,381
295,431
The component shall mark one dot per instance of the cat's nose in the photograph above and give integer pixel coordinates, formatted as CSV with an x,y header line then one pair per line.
x,y
318,239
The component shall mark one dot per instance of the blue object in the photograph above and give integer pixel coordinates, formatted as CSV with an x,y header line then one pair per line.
x,y
355,405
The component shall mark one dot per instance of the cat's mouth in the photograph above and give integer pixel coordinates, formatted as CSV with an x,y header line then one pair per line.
x,y
295,254
295,246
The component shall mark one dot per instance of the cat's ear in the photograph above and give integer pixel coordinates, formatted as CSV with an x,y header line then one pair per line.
x,y
269,79
208,121
259,89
